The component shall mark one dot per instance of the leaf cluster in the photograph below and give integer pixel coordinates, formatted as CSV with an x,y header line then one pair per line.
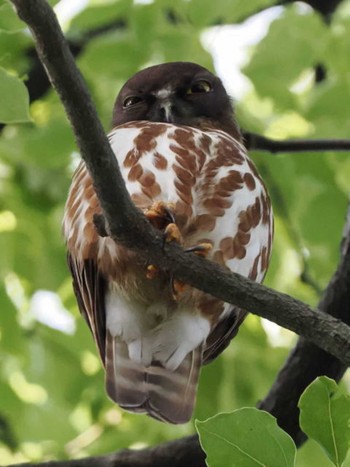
x,y
249,437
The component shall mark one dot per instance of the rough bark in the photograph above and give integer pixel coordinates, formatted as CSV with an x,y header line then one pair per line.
x,y
179,453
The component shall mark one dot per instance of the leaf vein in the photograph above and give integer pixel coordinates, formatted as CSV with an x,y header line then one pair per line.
x,y
234,445
332,431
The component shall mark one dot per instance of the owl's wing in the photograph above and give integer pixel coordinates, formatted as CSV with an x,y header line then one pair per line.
x,y
222,334
234,195
89,287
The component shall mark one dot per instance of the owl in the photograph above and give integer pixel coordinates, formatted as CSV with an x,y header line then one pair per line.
x,y
186,169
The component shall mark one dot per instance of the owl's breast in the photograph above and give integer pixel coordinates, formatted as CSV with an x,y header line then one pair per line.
x,y
206,177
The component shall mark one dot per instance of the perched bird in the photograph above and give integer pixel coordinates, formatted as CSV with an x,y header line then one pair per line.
x,y
181,155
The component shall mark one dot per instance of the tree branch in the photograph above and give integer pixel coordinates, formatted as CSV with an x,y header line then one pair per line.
x,y
306,361
179,453
128,226
255,141
325,7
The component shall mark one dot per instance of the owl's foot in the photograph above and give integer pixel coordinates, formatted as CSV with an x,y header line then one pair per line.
x,y
161,216
202,249
151,271
172,234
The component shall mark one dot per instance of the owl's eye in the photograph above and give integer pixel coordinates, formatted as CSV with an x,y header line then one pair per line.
x,y
131,100
200,86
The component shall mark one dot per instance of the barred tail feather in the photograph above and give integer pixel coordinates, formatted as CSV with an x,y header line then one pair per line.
x,y
125,382
172,394
165,395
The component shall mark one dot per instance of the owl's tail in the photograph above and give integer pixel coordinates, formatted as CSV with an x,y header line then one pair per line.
x,y
165,395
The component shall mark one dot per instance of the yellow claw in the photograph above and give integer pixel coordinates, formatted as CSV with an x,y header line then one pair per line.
x,y
202,249
151,271
172,233
178,288
160,210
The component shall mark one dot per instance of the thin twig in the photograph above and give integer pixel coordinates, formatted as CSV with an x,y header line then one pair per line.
x,y
253,141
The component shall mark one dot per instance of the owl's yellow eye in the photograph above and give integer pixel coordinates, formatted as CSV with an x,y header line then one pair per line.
x,y
131,100
200,86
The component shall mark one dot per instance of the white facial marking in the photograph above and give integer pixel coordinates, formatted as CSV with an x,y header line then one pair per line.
x,y
163,93
167,106
163,96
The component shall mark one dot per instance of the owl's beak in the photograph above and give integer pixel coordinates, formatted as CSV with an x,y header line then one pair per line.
x,y
165,110
164,105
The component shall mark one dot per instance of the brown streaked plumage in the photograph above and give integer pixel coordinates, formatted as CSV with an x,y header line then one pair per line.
x,y
180,153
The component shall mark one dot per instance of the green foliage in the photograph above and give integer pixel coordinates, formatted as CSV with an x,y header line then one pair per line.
x,y
208,13
246,438
14,99
52,400
325,417
297,41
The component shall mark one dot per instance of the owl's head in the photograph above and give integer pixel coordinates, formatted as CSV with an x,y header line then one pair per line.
x,y
179,92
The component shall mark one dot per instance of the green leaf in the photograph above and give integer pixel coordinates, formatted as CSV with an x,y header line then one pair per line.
x,y
326,107
247,437
9,21
339,41
294,43
11,335
96,15
325,417
207,13
14,99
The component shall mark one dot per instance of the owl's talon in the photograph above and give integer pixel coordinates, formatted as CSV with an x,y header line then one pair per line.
x,y
151,271
172,234
202,249
160,214
169,213
177,287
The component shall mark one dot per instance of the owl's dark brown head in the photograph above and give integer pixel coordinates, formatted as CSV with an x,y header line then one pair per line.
x,y
179,92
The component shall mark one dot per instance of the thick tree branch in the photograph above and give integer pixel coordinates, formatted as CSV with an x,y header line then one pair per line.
x,y
179,453
306,361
